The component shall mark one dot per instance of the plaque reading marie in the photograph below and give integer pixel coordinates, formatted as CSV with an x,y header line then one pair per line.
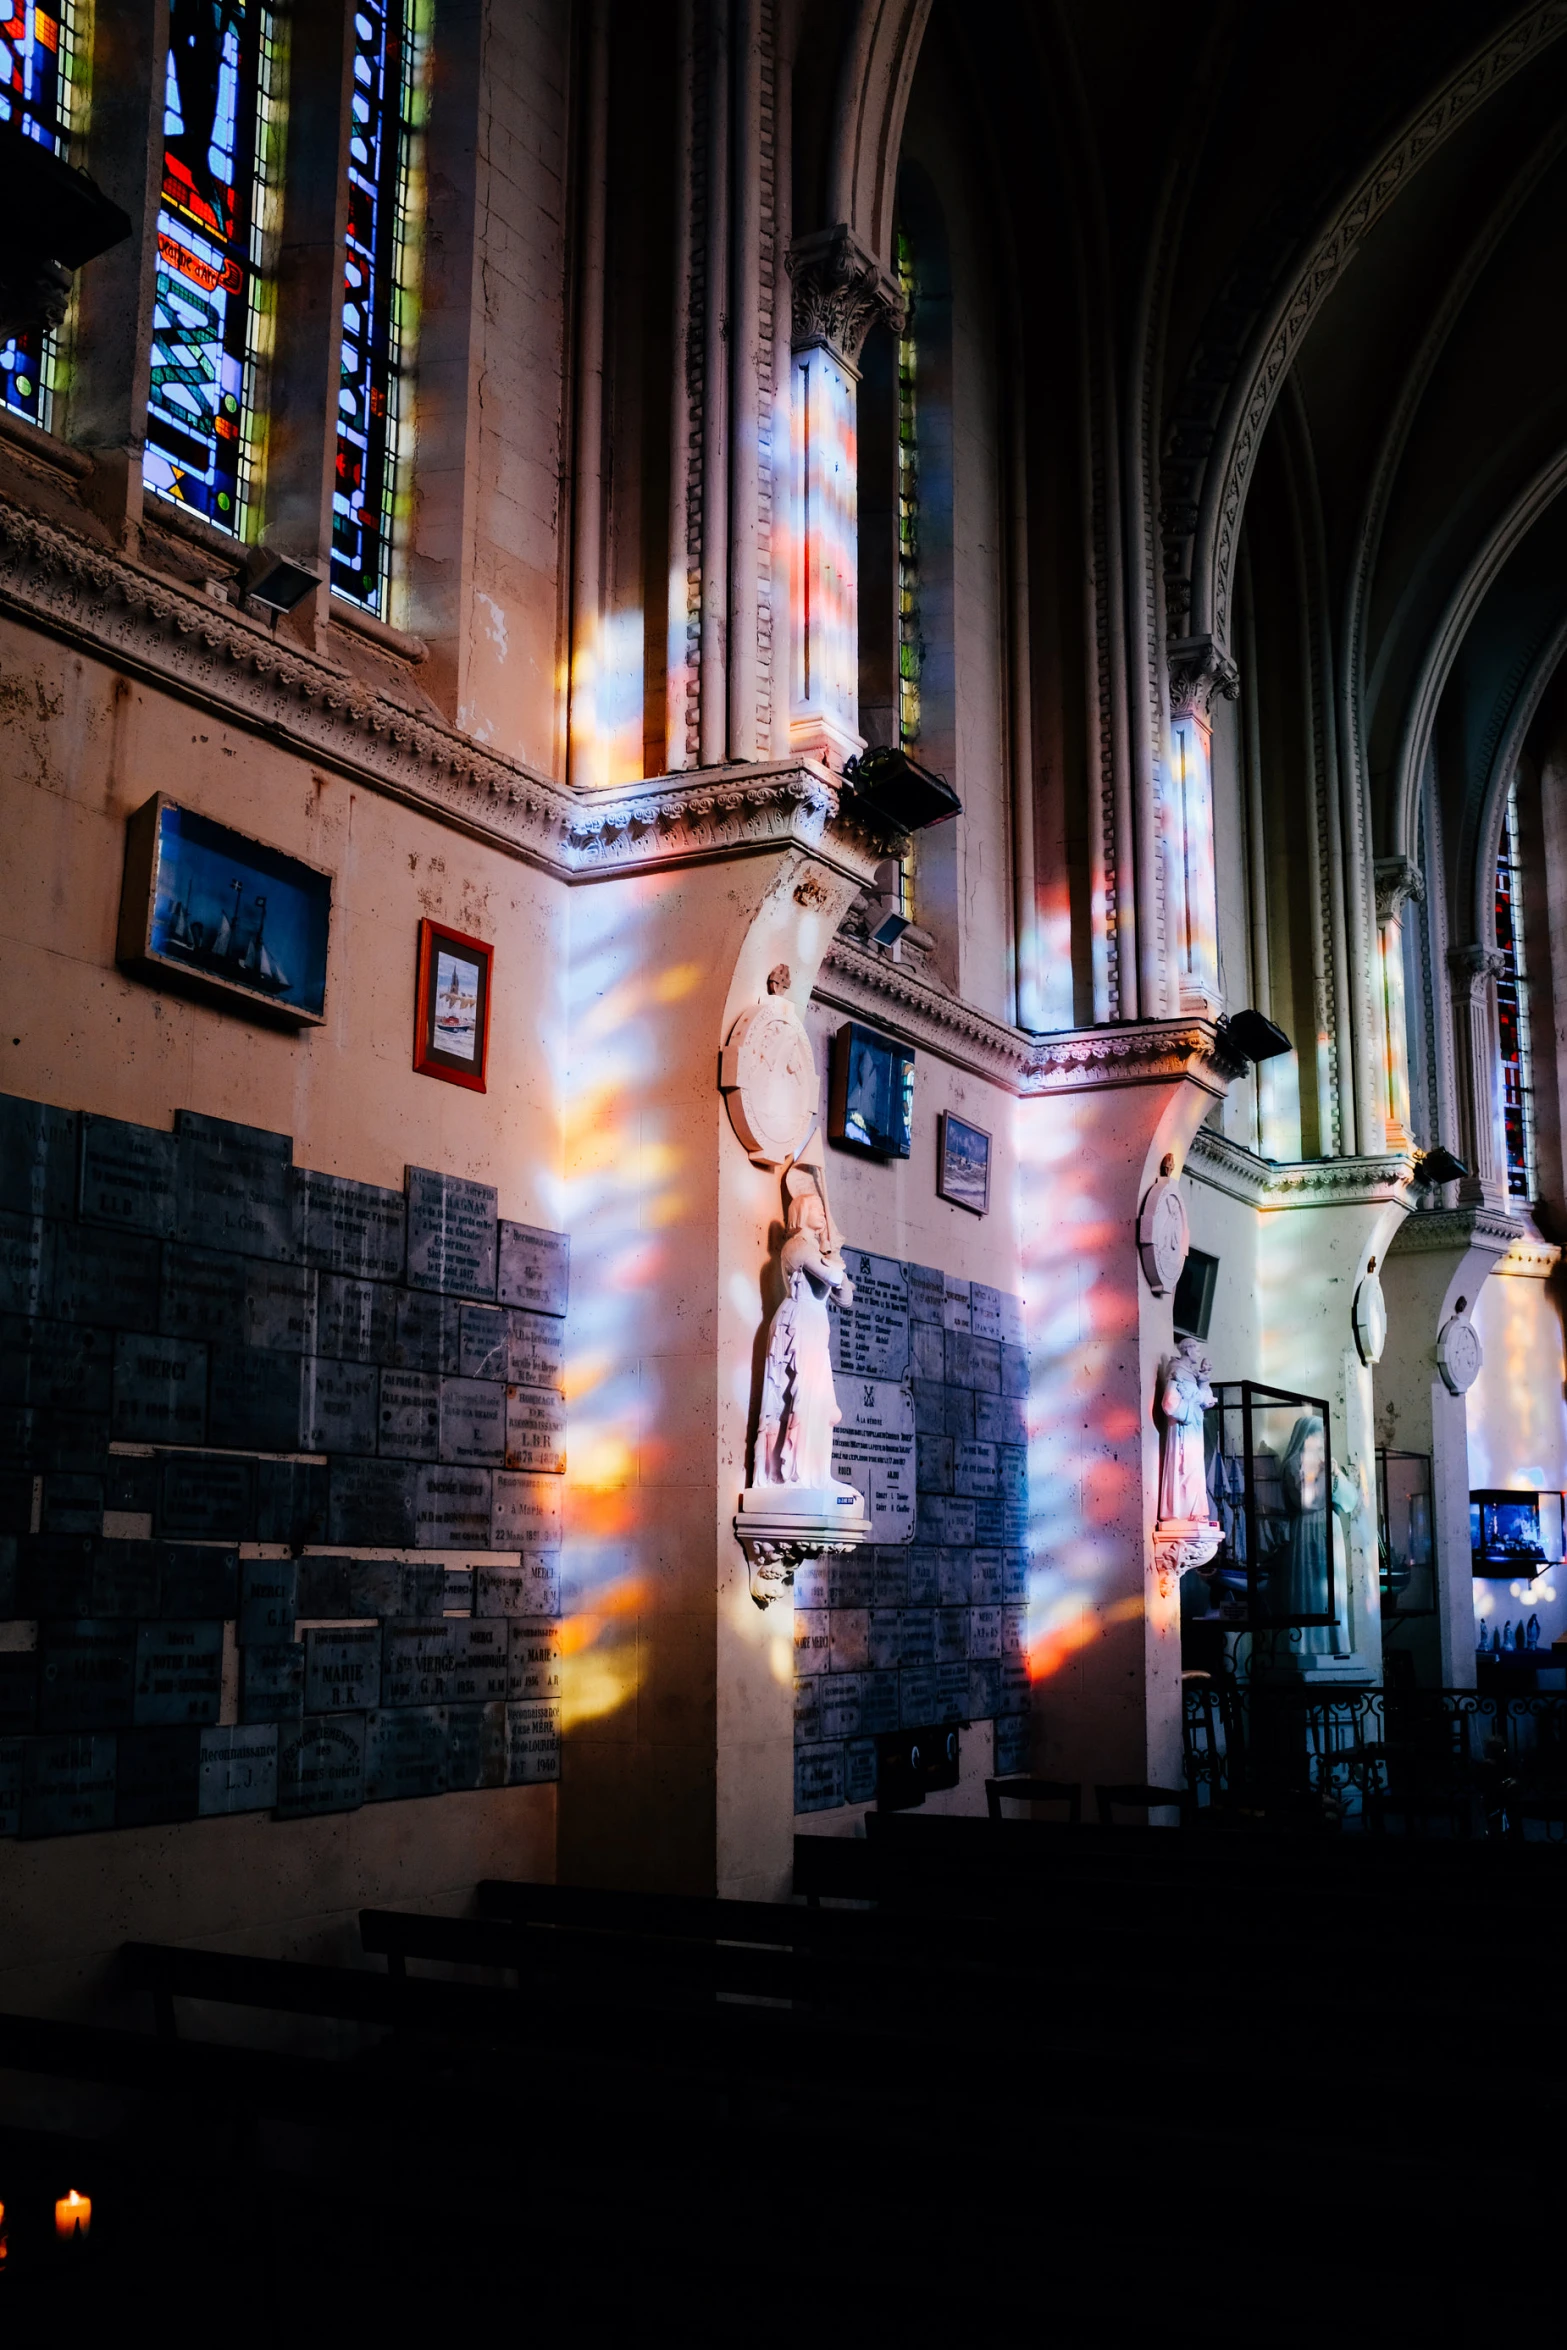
x,y
451,1234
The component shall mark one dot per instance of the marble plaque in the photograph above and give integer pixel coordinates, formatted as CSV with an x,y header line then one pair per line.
x,y
535,1268
930,1407
535,1349
527,1512
157,1775
102,1276
427,1333
1011,1320
818,1778
127,1579
203,1294
236,1188
955,1309
418,1661
1014,1370
54,1574
984,1632
884,1639
848,1631
481,1661
952,1692
342,1668
321,1766
55,1366
323,1591
873,1449
338,1407
128,1176
916,1696
532,1744
813,1583
954,1577
72,1504
1013,1744
808,1709
373,1504
871,1337
533,1660
952,1636
73,1443
840,1704
392,1587
410,1415
946,1520
130,1485
1012,1474
206,1496
405,1753
924,1575
456,1592
86,1674
933,1463
531,1589
1014,1629
859,1770
984,1310
22,1269
957,1413
280,1308
198,1579
473,1423
1014,1575
160,1391
990,1521
536,1429
984,1688
452,1508
38,1149
986,1578
254,1399
812,1638
292,1502
852,1578
1016,1688
237,1770
475,1747
356,1321
67,1785
18,1688
928,1351
451,1234
349,1228
917,1635
484,1342
926,1291
268,1600
975,1470
272,1681
879,1703
999,1419
11,1755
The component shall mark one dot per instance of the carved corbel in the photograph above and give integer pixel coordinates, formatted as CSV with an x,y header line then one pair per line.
x,y
1179,1543
1471,967
1199,671
1398,880
839,291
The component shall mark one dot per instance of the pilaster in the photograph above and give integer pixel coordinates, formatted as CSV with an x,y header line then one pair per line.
x,y
1477,1053
1398,879
1198,672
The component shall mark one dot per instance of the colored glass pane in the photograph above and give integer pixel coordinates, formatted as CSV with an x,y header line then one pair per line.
x,y
1512,1008
910,648
376,303
36,54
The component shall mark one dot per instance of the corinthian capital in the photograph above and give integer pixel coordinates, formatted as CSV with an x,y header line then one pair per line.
x,y
1398,879
1198,671
1472,966
839,292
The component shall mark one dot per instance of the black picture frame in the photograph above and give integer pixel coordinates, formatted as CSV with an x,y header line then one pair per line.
x,y
963,1164
872,1103
211,912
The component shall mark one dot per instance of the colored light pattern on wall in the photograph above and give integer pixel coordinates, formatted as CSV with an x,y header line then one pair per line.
x,y
378,301
1512,1009
38,59
909,645
222,122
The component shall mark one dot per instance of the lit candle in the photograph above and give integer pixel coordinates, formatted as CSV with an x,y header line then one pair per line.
x,y
73,2214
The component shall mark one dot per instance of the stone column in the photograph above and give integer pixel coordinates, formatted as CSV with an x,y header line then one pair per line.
x,y
1477,1050
1197,672
1398,880
838,290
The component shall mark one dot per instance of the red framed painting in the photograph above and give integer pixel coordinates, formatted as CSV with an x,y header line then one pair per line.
x,y
452,1014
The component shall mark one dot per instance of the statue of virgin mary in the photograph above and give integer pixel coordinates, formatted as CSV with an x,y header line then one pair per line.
x,y
799,1408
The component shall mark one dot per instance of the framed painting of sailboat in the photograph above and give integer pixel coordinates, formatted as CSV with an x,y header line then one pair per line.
x,y
452,1018
213,913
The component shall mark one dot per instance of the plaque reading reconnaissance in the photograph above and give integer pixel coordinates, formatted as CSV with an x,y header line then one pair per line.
x,y
321,1766
237,1769
451,1234
535,1268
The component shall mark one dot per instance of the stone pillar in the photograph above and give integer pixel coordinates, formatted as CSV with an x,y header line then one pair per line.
x,y
1104,1642
1398,880
1477,1052
838,290
1197,672
1434,1268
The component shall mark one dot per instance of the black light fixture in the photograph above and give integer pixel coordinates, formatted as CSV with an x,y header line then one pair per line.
x,y
1254,1036
889,896
899,791
279,585
56,220
1439,1166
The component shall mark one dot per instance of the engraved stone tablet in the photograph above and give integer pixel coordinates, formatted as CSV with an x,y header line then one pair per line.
x,y
237,1769
323,1589
1014,1631
105,1277
342,1668
130,1485
984,1311
812,1638
72,1505
126,1579
984,1638
1013,1743
54,1574
405,1753
206,1495
1016,1689
527,1512
481,1661
917,1695
292,1500
847,1632
984,1688
957,1416
986,1581
990,1520
952,1636
878,1704
930,1414
457,1591
917,1635
427,1333
473,1422
157,1775
818,1778
535,1349
321,1766
954,1303
1014,1370
1014,1575
926,1292
57,1366
18,1690
236,1188
452,1508
952,1692
160,1390
484,1345
872,1336
954,1577
351,1228
395,1587
532,1744
852,1579
254,1399
86,1674
475,1747
534,1660
1011,1331
924,1575
535,1268
198,1579
356,1321
944,1519
272,1681
410,1415
808,1709
840,1705
280,1308
998,1419
418,1661
11,1754
859,1770
37,1158
373,1504
928,1351
536,1429
202,1294
975,1470
884,1638
268,1600
531,1589
873,1449
451,1234
813,1583
22,1282
933,1463
67,1785
128,1176
339,1407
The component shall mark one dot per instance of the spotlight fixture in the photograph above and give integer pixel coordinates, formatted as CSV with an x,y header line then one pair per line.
x,y
889,893
1254,1036
898,790
280,585
1439,1166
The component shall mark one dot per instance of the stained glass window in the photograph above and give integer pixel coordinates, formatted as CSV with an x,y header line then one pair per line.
x,y
38,57
909,646
221,132
378,298
1512,1005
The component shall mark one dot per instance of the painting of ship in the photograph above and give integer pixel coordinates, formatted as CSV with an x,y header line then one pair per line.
x,y
238,913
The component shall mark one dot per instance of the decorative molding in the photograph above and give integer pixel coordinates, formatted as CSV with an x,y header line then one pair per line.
x,y
1455,1229
1270,1184
1398,880
1199,671
1142,1052
1471,967
839,290
1529,1258
866,984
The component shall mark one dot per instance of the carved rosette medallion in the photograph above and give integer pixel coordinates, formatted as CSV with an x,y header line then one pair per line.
x,y
769,1079
1370,1319
1163,1235
1459,1355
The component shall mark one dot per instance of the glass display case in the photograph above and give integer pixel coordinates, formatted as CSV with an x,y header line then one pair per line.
x,y
1405,1551
1270,1485
1514,1535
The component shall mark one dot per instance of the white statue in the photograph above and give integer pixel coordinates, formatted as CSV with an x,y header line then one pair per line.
x,y
799,1408
1183,1399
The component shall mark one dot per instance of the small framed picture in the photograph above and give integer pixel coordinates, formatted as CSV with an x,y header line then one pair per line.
x,y
872,1093
452,1023
963,1164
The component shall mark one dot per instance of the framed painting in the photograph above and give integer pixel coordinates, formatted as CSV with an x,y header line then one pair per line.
x,y
872,1093
452,1016
209,911
963,1164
